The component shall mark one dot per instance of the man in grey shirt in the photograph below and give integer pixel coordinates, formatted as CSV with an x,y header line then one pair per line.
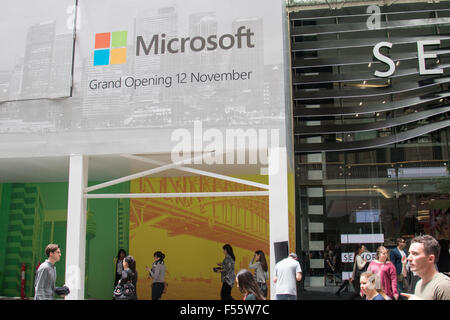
x,y
44,286
287,273
423,255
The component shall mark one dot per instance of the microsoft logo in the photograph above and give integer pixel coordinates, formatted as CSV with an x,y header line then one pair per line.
x,y
110,48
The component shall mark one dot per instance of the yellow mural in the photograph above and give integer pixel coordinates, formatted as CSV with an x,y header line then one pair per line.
x,y
192,231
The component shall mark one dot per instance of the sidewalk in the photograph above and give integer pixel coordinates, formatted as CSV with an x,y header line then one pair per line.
x,y
325,293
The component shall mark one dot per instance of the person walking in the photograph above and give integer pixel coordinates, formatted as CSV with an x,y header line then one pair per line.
x,y
396,255
248,285
129,274
423,257
118,263
359,266
44,285
385,271
259,263
157,273
368,287
287,273
226,270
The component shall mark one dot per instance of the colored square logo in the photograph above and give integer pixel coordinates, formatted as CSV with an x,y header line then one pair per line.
x,y
118,56
101,57
119,39
103,40
110,48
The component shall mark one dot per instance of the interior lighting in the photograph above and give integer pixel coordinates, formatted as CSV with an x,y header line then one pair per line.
x,y
379,190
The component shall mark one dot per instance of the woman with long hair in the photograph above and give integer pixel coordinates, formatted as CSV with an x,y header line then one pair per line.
x,y
259,263
118,265
386,272
157,273
129,274
248,286
359,266
227,272
368,287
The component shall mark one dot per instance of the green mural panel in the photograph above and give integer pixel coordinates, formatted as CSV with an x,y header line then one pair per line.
x,y
34,215
5,198
104,241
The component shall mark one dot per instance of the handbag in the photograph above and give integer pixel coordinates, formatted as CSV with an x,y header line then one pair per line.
x,y
262,286
125,291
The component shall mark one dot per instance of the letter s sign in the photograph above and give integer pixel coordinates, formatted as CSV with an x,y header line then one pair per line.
x,y
382,58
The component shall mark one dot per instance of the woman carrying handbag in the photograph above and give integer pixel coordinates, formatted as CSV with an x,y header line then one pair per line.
x,y
126,288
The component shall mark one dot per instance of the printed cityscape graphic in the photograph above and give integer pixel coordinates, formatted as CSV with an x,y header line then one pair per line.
x,y
45,71
192,231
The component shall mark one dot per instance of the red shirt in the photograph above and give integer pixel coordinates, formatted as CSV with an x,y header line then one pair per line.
x,y
388,276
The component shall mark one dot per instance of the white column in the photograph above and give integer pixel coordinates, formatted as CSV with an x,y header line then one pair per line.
x,y
278,205
76,227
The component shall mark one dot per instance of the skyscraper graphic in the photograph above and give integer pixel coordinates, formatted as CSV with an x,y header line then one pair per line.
x,y
24,238
61,67
251,59
15,82
202,97
38,59
4,84
147,24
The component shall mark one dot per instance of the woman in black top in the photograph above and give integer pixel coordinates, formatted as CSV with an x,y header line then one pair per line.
x,y
129,273
118,262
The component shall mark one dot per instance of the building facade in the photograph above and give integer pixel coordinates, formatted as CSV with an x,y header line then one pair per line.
x,y
371,128
365,132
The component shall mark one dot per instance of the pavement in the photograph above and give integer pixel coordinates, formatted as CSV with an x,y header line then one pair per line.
x,y
307,293
325,293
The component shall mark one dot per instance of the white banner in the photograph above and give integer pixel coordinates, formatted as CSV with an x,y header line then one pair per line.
x,y
144,70
362,238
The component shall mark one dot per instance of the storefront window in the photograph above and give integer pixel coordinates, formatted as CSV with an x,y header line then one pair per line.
x,y
372,153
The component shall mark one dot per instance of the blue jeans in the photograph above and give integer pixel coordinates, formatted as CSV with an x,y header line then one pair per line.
x,y
286,297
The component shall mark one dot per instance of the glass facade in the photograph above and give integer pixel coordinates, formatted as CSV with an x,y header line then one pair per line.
x,y
372,153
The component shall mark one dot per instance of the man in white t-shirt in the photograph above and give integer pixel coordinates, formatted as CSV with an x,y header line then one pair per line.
x,y
287,273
